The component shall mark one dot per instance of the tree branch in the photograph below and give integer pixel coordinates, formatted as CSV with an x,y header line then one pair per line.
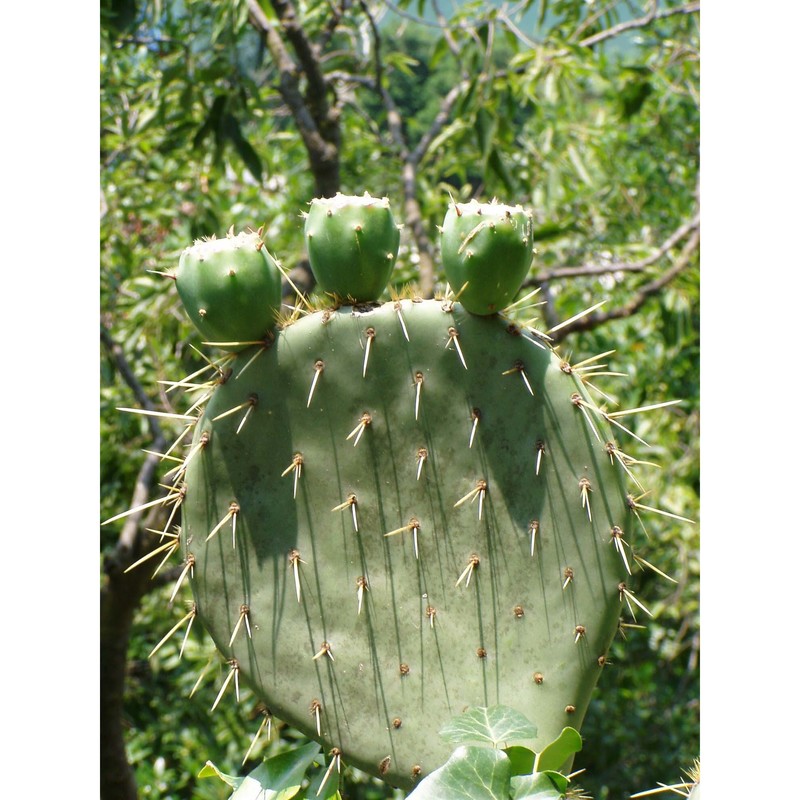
x,y
412,212
645,292
560,273
446,32
308,56
323,40
592,18
316,120
124,368
639,22
120,596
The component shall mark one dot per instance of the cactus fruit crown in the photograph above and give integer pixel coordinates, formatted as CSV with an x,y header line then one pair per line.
x,y
393,512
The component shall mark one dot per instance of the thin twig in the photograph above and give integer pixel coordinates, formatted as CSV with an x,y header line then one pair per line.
x,y
632,24
559,273
647,291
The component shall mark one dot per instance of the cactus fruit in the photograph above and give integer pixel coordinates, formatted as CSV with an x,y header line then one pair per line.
x,y
230,288
352,244
487,249
393,512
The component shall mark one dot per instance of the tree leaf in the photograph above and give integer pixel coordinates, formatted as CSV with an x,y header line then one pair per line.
x,y
579,165
485,127
542,12
494,725
497,165
471,773
211,121
440,50
453,129
330,789
233,132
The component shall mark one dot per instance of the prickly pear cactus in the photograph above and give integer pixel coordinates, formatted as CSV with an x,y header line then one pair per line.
x,y
394,512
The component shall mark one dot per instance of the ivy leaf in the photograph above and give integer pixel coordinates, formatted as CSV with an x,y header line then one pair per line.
x,y
210,770
538,786
556,753
277,778
522,759
495,725
471,773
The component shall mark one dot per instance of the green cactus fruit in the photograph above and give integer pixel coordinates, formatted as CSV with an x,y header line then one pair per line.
x,y
352,244
396,512
230,288
487,249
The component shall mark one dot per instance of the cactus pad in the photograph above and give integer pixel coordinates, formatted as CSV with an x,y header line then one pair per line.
x,y
230,288
352,243
420,513
487,249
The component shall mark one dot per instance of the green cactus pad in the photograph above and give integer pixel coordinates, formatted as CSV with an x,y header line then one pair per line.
x,y
412,511
352,244
230,288
487,249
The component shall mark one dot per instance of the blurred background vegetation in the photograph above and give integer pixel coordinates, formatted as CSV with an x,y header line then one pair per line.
x,y
239,113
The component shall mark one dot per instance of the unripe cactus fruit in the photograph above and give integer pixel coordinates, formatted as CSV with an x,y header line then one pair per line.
x,y
487,249
352,244
230,288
